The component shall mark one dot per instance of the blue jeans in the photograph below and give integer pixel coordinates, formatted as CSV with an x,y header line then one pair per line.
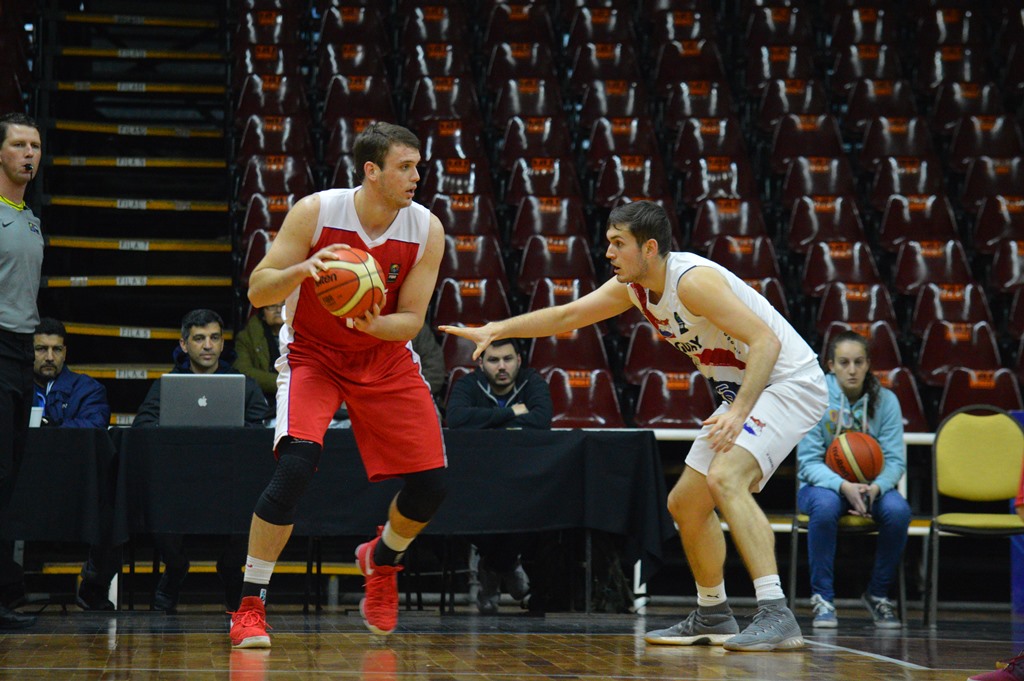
x,y
824,507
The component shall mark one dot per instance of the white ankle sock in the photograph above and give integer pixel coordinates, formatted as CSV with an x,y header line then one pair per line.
x,y
258,571
393,540
710,596
768,588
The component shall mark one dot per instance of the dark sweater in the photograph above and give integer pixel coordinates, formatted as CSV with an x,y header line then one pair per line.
x,y
472,405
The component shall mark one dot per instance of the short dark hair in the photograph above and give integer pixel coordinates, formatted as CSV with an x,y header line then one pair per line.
x,y
15,118
646,220
49,326
376,139
200,317
514,342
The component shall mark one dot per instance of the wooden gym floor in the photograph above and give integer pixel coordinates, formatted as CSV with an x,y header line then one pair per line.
x,y
464,646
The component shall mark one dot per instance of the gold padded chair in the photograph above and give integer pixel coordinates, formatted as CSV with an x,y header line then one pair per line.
x,y
976,457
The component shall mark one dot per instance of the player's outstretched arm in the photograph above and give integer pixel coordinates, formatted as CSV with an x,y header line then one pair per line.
x,y
285,265
607,301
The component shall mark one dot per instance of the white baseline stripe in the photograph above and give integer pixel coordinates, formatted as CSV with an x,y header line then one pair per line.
x,y
862,653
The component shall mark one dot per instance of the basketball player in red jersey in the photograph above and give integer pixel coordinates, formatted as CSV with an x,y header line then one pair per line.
x,y
367,363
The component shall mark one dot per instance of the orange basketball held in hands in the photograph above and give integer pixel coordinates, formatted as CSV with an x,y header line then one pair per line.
x,y
352,285
856,457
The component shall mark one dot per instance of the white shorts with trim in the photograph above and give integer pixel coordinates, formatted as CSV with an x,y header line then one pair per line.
x,y
782,415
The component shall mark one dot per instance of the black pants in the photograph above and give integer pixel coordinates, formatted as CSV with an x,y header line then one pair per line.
x,y
17,393
500,552
229,563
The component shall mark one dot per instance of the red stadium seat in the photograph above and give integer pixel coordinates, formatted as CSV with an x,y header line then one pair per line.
x,y
773,291
858,24
864,61
674,400
451,138
518,24
541,176
472,257
470,302
916,218
611,99
976,136
275,135
525,97
601,61
433,23
823,218
455,176
269,95
269,27
795,134
547,216
780,98
957,303
346,174
766,63
954,101
870,99
905,176
922,262
964,387
257,247
999,219
820,177
901,137
555,258
266,213
828,262
458,352
854,304
725,217
1007,274
694,99
577,350
341,137
467,214
619,136
275,175
901,381
988,176
687,60
719,177
630,175
777,25
682,24
350,24
947,345
352,59
443,97
584,399
365,96
746,257
701,137
529,136
950,64
647,351
600,25
431,60
512,61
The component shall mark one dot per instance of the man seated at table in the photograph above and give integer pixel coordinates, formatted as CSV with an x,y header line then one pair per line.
x,y
199,352
68,399
72,400
500,393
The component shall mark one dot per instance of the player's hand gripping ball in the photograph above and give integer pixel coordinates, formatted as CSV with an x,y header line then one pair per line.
x,y
352,285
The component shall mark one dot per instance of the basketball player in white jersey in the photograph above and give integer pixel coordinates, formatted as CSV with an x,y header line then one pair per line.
x,y
367,363
772,392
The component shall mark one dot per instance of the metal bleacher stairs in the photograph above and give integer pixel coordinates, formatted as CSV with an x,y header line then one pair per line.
x,y
132,99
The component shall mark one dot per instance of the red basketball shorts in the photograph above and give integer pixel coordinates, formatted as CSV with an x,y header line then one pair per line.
x,y
394,419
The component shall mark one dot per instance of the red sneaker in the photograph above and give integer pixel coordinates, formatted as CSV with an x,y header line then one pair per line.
x,y
380,607
1007,670
249,624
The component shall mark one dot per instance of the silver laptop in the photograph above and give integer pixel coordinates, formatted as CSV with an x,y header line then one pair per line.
x,y
202,400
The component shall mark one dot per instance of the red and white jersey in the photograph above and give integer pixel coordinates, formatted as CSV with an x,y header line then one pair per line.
x,y
397,250
717,355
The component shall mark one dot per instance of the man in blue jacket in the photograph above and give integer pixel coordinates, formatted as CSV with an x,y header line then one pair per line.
x,y
68,399
500,393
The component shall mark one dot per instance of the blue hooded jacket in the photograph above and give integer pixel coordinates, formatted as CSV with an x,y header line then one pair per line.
x,y
75,401
886,426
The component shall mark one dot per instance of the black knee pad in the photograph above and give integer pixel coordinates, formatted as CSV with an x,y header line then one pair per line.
x,y
297,461
422,494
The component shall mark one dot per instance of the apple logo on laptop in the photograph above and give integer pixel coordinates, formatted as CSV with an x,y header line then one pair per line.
x,y
202,401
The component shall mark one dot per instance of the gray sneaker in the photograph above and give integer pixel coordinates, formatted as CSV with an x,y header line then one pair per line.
x,y
697,629
883,611
516,583
490,591
774,628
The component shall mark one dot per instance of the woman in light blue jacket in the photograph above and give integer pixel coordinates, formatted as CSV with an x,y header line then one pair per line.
x,y
857,402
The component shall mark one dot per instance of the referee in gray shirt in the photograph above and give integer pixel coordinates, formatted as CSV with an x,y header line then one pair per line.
x,y
21,259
